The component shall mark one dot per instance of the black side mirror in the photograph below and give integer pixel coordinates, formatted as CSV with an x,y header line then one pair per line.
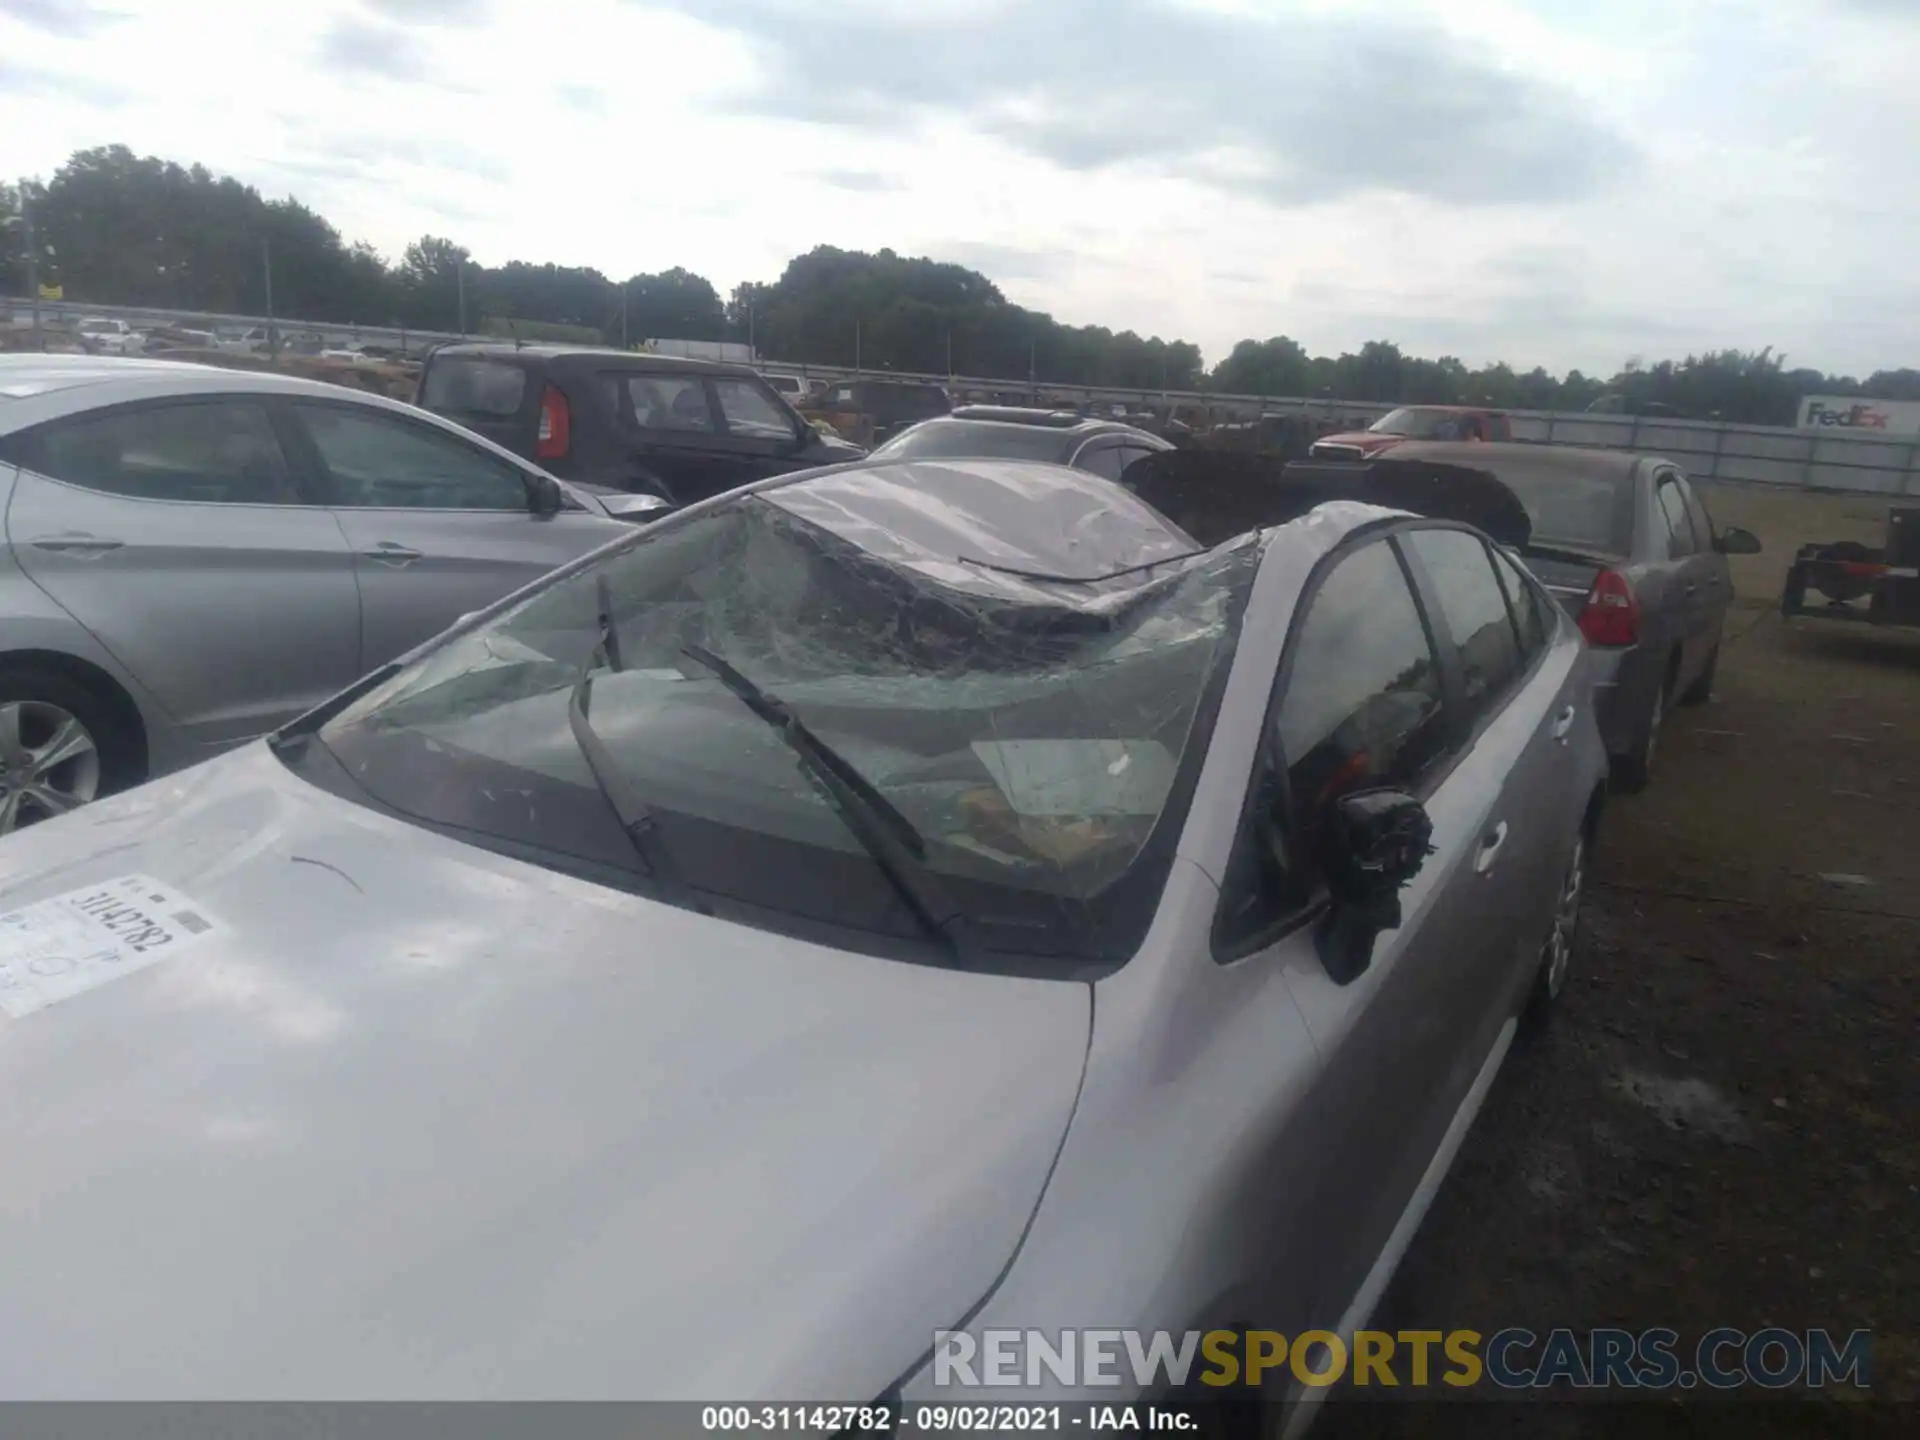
x,y
1373,843
1735,541
544,496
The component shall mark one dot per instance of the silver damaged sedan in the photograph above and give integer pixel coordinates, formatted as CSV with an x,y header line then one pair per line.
x,y
888,899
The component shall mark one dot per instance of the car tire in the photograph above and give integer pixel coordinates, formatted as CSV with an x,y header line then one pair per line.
x,y
1701,691
1562,947
38,702
1632,770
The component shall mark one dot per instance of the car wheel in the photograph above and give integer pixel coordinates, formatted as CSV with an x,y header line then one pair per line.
x,y
1631,771
1701,690
61,745
1557,955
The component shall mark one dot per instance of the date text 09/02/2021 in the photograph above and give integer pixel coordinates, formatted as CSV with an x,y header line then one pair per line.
x,y
985,1419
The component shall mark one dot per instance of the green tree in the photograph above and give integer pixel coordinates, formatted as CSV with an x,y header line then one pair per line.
x,y
432,275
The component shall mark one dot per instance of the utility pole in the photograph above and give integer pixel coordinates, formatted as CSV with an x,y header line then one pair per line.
x,y
33,261
460,284
856,347
273,331
949,354
752,350
624,343
1033,362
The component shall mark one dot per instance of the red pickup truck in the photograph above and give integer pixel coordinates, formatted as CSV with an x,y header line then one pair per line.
x,y
1414,422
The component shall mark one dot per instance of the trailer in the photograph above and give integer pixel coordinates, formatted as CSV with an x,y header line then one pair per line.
x,y
1845,573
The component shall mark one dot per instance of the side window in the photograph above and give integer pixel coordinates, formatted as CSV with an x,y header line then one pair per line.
x,y
1534,614
1101,459
1703,529
1673,507
1502,427
1361,706
669,402
750,412
379,461
221,452
1470,598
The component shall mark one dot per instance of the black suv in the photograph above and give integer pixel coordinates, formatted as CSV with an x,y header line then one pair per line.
x,y
1105,447
653,424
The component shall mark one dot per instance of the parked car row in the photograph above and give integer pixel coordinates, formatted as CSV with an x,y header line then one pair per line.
x,y
194,555
1227,865
1241,813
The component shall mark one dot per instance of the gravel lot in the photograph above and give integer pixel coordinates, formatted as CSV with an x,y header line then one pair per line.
x,y
1721,1125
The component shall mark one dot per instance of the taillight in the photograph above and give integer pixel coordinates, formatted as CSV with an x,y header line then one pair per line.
x,y
1612,615
556,425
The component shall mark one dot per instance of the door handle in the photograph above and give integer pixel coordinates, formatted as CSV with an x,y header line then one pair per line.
x,y
387,552
1490,844
1562,724
74,543
1692,588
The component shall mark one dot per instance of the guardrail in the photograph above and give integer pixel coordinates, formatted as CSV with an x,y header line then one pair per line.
x,y
1747,454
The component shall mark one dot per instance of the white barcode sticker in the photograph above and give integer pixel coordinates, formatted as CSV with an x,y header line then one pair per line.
x,y
69,944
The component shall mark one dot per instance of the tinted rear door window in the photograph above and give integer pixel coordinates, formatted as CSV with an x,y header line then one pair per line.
x,y
221,452
1673,509
1534,615
1475,608
460,386
670,403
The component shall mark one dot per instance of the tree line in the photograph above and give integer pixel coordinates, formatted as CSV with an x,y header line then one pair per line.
x,y
112,227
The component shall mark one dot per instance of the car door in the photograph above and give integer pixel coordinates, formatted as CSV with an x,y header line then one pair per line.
x,y
671,429
1546,802
1688,594
176,532
436,525
1368,696
1715,577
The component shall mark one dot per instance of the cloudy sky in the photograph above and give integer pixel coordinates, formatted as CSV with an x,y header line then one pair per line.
x,y
1557,182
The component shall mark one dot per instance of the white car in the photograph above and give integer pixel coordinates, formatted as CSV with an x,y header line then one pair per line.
x,y
790,388
883,899
103,336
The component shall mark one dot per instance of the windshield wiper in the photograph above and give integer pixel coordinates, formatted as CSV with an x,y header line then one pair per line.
x,y
631,811
887,835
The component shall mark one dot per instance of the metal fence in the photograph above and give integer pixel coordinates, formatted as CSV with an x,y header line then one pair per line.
x,y
1745,454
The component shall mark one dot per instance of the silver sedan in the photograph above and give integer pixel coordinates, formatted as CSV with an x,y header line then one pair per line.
x,y
194,555
883,900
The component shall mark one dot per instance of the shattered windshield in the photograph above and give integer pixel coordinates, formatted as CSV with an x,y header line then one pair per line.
x,y
1037,734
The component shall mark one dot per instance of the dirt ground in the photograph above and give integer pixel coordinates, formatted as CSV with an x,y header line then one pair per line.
x,y
1721,1124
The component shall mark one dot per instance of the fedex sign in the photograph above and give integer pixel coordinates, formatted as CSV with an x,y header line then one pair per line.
x,y
1869,419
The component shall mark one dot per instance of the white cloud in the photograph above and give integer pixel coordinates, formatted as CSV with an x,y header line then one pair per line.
x,y
1541,181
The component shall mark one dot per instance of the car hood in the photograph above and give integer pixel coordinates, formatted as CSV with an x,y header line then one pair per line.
x,y
1361,439
413,1120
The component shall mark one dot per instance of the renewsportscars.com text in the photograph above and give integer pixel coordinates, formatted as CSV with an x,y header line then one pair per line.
x,y
1510,1359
